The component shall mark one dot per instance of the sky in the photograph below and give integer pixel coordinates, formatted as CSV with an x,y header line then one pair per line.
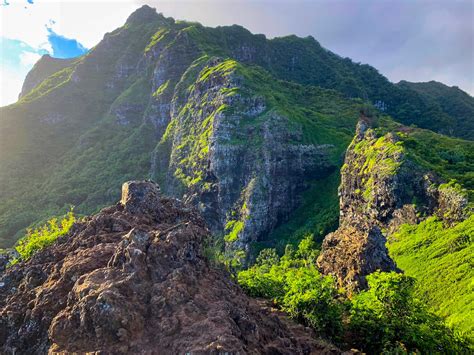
x,y
414,40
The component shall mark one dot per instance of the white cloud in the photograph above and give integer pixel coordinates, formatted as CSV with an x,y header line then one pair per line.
x,y
10,84
29,58
85,21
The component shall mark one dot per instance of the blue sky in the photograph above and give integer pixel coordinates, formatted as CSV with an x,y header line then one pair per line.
x,y
63,47
20,49
415,40
18,57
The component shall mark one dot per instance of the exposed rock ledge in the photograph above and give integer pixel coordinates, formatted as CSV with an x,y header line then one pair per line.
x,y
133,279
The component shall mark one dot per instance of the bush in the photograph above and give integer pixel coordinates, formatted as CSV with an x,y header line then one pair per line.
x,y
297,287
312,300
387,318
37,239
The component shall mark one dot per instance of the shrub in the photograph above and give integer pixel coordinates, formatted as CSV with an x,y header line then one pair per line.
x,y
296,286
387,318
312,299
38,238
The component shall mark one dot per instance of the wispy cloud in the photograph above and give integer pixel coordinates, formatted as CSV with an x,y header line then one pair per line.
x,y
28,59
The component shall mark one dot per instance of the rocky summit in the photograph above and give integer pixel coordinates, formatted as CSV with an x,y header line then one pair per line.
x,y
133,279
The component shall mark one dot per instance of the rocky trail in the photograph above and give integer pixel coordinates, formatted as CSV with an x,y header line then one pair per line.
x,y
133,279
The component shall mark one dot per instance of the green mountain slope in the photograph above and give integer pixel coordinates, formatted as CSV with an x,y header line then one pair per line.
x,y
254,133
305,61
239,125
452,100
442,260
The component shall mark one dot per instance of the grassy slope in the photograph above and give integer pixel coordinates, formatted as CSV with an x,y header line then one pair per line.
x,y
442,259
54,168
452,100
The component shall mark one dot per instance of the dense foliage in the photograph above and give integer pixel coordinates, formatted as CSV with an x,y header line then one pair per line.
x,y
38,238
452,100
295,285
388,318
441,259
385,318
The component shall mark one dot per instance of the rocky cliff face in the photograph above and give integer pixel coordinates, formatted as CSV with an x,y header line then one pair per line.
x,y
218,116
381,188
133,279
241,164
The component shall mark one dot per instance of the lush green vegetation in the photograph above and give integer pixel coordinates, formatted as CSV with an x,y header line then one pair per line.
x,y
55,152
387,318
442,261
452,100
38,238
450,158
295,285
317,66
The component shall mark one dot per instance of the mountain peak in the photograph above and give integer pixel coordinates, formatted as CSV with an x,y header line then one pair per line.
x,y
143,14
43,68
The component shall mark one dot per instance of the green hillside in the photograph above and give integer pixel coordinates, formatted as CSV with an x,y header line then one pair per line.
x,y
55,152
253,133
451,100
442,260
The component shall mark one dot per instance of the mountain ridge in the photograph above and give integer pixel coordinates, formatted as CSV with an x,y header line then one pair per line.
x,y
277,143
135,89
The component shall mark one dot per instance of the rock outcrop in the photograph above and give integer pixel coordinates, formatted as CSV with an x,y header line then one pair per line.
x,y
381,189
133,279
245,167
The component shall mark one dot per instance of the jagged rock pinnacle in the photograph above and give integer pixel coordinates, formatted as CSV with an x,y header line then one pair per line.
x,y
140,196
